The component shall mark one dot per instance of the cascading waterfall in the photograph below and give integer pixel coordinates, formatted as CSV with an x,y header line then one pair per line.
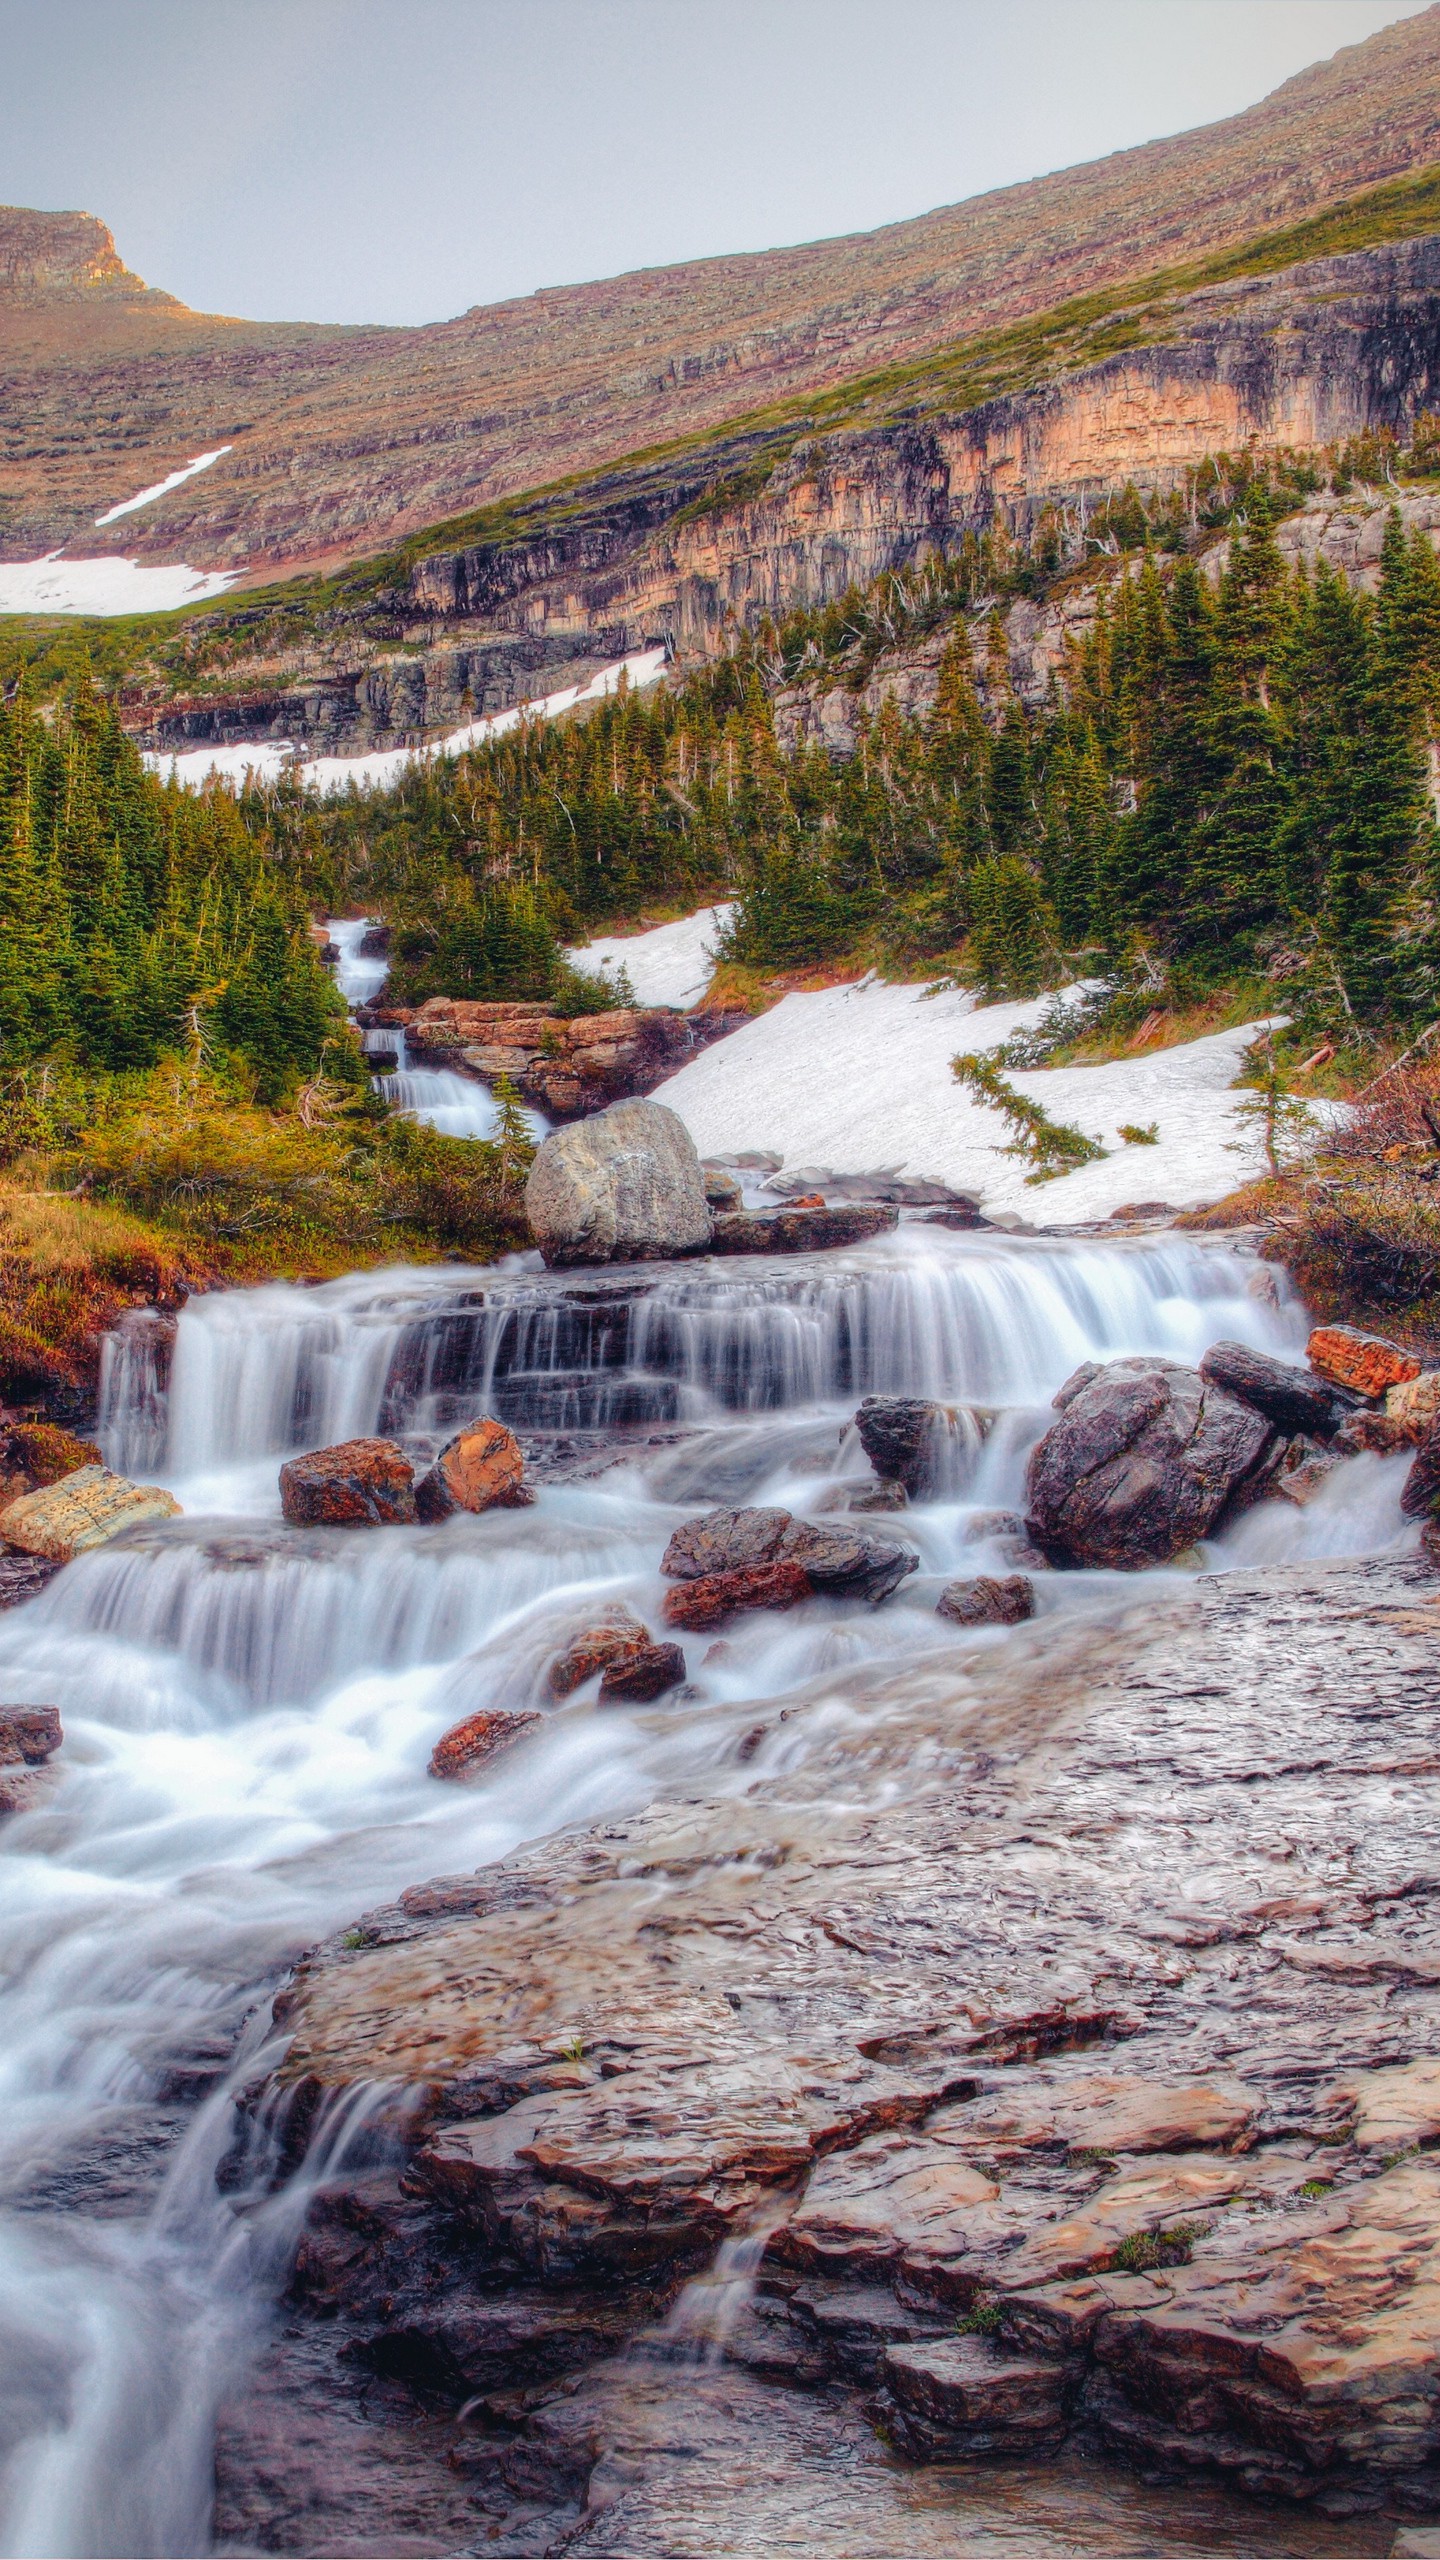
x,y
458,1106
249,1711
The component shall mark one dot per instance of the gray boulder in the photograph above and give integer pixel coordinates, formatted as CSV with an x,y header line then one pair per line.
x,y
624,1186
1144,1458
1293,1399
847,1563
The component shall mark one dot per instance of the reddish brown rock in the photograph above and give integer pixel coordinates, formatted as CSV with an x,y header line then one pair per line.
x,y
1420,1493
961,2396
1415,1404
1364,1362
1287,1396
644,1674
801,1229
24,1790
614,1636
1144,1459
476,1739
482,1468
716,1597
357,1482
29,1734
987,1600
842,1561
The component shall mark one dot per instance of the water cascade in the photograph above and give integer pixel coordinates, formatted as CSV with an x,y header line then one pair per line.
x,y
249,1710
458,1106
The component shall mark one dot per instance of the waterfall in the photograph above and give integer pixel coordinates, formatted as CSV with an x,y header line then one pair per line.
x,y
249,1711
458,1106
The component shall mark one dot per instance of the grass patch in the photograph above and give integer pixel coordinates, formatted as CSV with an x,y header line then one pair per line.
x,y
1143,2251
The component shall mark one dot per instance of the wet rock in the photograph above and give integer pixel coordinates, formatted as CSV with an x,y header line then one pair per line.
x,y
961,2397
993,1524
1364,1362
479,1469
24,1790
1145,1458
22,1576
614,1636
842,1561
355,1482
714,1598
722,1189
1291,1398
29,1734
1415,1404
987,1600
900,1436
625,1186
647,1673
799,1230
475,1740
1420,1493
84,1510
1304,1469
869,1497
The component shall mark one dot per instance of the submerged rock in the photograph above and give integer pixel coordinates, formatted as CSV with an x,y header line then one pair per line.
x,y
355,1483
1364,1362
476,1739
835,1561
83,1510
645,1673
715,1598
1144,1459
481,1469
625,1186
1291,1398
987,1600
29,1734
612,1637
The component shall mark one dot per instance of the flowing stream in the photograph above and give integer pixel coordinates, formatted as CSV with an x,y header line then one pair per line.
x,y
249,1710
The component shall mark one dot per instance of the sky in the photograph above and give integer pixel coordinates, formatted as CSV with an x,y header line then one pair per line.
x,y
401,160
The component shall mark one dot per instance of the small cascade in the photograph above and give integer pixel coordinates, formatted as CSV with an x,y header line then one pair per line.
x,y
458,1106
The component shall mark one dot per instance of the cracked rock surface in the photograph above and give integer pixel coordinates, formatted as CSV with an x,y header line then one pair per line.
x,y
1010,2104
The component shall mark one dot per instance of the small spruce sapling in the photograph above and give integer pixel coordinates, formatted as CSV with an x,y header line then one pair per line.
x,y
1053,1147
1285,1126
513,1141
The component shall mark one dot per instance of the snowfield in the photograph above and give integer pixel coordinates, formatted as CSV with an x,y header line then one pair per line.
x,y
106,587
331,774
162,488
671,964
856,1079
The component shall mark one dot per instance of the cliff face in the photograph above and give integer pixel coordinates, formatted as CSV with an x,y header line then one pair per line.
x,y
345,439
1300,360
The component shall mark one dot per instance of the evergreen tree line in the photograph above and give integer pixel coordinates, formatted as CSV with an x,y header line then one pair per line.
x,y
139,920
1231,771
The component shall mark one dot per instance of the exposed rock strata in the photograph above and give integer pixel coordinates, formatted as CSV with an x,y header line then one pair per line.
x,y
1117,2027
568,1069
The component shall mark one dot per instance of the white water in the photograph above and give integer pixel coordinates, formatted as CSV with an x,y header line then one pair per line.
x,y
458,1106
249,1711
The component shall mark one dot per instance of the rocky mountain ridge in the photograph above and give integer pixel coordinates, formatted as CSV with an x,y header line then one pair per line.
x,y
344,439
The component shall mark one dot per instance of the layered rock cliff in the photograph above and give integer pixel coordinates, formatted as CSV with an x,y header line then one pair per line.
x,y
1298,361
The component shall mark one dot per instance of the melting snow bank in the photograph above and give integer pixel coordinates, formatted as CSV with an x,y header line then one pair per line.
x,y
671,964
162,488
53,585
379,772
857,1079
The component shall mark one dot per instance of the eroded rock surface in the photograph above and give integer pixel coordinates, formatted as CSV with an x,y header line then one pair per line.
x,y
85,1509
1144,1459
354,1484
1112,2037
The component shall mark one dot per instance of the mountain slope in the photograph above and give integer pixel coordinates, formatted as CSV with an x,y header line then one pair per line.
x,y
344,439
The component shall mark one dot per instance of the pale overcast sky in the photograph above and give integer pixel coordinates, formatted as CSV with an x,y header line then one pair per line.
x,y
402,159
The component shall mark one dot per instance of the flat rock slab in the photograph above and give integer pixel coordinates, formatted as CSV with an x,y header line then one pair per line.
x,y
1364,1362
83,1510
1106,1993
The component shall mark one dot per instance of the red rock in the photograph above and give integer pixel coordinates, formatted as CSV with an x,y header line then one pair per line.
x,y
613,1637
1364,1362
29,1734
356,1481
987,1600
476,1739
717,1597
24,1790
481,1469
644,1674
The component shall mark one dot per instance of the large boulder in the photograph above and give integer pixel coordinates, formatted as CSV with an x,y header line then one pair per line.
x,y
1145,1457
842,1562
625,1186
85,1509
1293,1399
355,1484
481,1469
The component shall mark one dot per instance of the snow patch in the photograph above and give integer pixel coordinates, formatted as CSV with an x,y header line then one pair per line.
x,y
671,964
162,488
857,1079
380,772
54,585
